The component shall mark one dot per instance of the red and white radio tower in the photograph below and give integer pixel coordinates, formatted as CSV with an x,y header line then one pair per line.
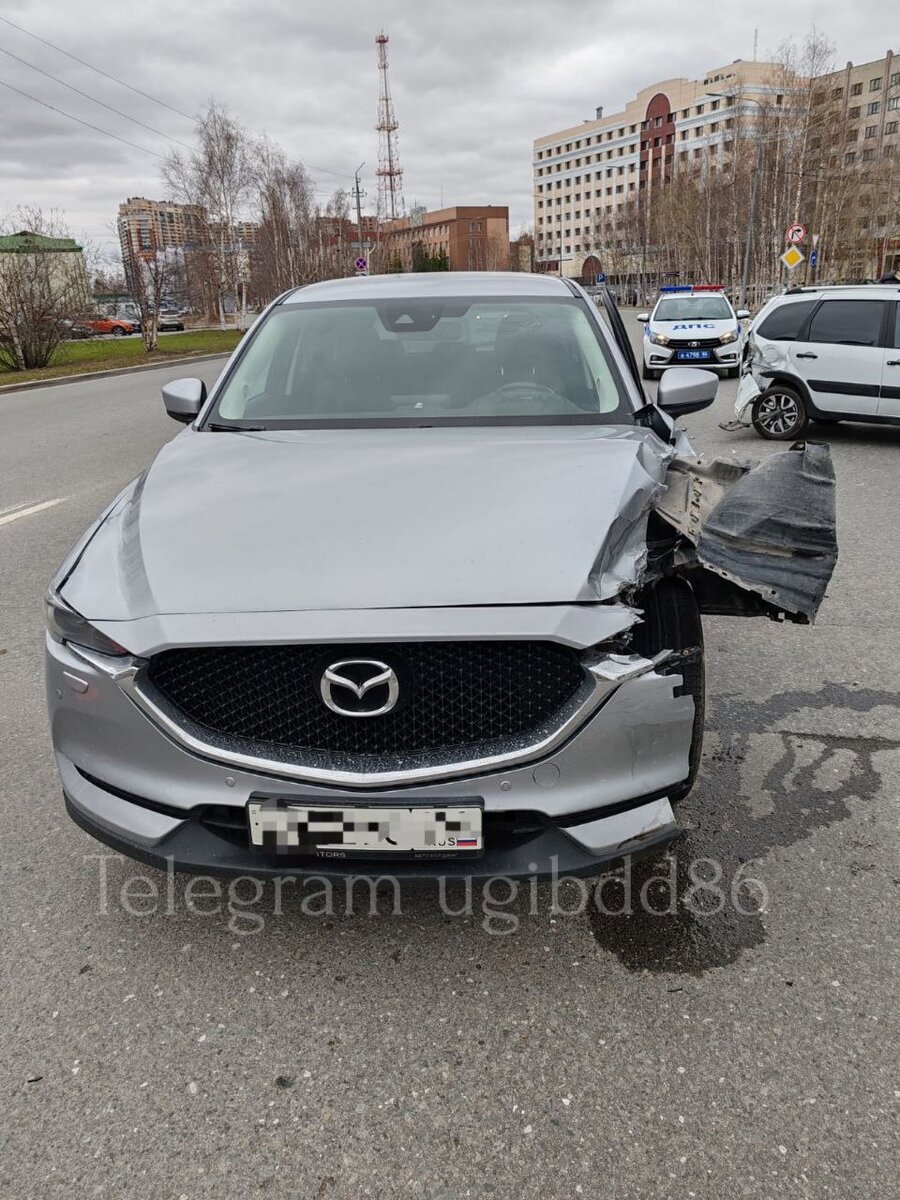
x,y
390,173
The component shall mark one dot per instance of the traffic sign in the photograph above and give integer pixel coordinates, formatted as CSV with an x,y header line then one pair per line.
x,y
792,257
814,258
362,264
796,234
601,278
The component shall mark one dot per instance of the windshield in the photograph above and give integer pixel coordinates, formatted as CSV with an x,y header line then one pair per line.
x,y
705,308
437,360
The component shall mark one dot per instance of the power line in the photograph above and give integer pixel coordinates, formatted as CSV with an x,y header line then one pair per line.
x,y
87,124
91,67
93,99
122,83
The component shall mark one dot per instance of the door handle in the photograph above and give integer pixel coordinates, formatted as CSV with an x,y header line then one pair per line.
x,y
806,355
893,362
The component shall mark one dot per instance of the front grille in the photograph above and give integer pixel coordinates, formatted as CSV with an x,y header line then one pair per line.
x,y
457,700
694,343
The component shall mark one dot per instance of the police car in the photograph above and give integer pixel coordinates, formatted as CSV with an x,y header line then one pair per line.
x,y
693,324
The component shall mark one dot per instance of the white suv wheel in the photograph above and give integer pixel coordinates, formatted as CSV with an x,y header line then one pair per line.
x,y
779,414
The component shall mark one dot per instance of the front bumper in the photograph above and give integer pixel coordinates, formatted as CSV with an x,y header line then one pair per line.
x,y
600,795
722,358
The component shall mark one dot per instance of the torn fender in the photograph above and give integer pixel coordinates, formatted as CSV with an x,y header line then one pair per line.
x,y
762,539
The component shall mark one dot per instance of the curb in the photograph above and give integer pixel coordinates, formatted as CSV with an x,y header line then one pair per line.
x,y
83,375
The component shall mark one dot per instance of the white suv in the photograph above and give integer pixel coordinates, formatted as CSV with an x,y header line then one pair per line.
x,y
822,354
692,325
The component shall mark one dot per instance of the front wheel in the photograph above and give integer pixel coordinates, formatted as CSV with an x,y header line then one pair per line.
x,y
779,414
118,331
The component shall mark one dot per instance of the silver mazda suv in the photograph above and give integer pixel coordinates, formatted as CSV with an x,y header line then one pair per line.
x,y
417,589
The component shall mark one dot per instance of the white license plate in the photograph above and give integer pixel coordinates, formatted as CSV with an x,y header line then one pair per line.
x,y
343,831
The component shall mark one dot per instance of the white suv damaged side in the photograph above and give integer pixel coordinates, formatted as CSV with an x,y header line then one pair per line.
x,y
823,354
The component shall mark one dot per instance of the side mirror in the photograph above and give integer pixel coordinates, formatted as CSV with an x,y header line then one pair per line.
x,y
685,390
184,398
742,314
643,318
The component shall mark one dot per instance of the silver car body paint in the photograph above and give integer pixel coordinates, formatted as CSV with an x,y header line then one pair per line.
x,y
378,535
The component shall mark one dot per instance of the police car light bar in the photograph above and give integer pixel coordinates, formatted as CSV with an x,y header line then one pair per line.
x,y
693,287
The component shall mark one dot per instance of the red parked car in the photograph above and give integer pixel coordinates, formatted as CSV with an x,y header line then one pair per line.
x,y
114,325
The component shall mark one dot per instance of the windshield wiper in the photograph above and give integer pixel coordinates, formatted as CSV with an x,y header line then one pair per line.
x,y
217,428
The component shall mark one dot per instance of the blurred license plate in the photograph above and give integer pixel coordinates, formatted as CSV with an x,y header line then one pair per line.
x,y
344,831
693,355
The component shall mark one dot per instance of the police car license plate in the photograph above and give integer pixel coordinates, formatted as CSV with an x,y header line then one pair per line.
x,y
693,355
339,831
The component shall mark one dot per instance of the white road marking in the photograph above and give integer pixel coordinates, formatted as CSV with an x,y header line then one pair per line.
x,y
17,511
12,508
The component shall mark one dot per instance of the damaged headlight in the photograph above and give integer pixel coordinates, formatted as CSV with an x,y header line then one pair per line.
x,y
659,339
731,336
66,625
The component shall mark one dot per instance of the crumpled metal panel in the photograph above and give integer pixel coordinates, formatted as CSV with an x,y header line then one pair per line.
x,y
769,529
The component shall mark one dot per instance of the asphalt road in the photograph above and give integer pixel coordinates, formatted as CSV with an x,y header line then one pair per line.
x,y
721,1054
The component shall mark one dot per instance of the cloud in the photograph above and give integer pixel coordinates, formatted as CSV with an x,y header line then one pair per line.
x,y
473,84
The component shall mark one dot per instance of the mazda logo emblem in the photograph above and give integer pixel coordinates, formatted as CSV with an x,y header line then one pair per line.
x,y
360,687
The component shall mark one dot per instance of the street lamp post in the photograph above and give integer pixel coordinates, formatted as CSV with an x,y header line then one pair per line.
x,y
754,191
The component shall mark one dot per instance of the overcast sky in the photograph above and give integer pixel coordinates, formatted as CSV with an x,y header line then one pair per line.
x,y
473,81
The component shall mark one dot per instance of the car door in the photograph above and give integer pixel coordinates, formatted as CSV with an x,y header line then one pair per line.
x,y
889,401
841,359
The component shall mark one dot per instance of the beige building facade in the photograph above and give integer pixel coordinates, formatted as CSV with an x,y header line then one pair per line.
x,y
585,174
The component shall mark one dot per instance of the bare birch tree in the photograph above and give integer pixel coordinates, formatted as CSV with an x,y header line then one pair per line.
x,y
217,177
43,287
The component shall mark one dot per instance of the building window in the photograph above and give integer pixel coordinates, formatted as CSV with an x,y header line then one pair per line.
x,y
698,111
714,107
869,154
895,79
854,112
894,102
850,157
871,130
856,90
837,93
875,84
873,108
891,127
852,135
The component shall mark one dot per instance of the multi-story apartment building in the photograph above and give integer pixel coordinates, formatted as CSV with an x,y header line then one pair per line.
x,y
864,102
585,174
147,225
868,96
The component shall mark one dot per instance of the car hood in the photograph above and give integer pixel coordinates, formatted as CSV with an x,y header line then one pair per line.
x,y
281,521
